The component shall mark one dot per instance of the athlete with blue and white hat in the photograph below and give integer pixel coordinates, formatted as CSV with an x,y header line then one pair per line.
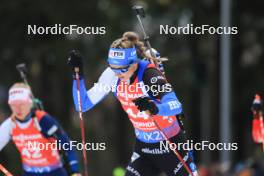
x,y
120,59
130,66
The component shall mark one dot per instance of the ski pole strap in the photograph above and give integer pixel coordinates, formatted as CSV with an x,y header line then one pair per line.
x,y
5,171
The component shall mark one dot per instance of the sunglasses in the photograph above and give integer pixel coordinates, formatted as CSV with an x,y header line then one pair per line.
x,y
120,70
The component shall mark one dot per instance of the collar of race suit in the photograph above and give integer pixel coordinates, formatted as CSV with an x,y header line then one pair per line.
x,y
28,117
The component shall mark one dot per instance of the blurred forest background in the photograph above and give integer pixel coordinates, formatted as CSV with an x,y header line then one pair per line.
x,y
193,70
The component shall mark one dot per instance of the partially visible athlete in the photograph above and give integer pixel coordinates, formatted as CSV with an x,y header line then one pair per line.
x,y
258,121
30,130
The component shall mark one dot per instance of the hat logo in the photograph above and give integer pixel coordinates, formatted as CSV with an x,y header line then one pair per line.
x,y
133,53
117,54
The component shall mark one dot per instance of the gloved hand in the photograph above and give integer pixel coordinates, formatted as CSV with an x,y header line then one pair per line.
x,y
75,60
146,104
154,51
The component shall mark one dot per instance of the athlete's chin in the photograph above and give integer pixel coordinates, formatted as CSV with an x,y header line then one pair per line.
x,y
123,79
20,116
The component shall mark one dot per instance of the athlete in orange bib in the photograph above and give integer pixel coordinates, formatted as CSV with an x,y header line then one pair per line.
x,y
144,95
35,134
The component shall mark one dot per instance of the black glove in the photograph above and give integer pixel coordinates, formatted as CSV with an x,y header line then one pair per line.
x,y
145,103
75,60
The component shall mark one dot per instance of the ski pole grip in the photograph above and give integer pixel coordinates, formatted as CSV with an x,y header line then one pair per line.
x,y
139,10
22,69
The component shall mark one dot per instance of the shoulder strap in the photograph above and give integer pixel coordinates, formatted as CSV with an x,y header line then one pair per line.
x,y
38,116
142,67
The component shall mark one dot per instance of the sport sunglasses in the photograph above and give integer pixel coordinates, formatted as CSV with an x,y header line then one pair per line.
x,y
120,70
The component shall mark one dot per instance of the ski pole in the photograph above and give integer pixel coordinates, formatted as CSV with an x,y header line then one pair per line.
x,y
77,75
140,13
5,171
175,151
22,69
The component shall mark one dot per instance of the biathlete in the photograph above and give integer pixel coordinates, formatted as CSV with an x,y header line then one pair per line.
x,y
144,94
257,123
30,130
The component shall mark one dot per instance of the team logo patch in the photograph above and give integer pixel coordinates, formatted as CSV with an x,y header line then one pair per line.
x,y
156,78
133,53
153,80
134,157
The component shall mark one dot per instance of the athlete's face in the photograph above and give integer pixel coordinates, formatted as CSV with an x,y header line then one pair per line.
x,y
21,109
124,73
